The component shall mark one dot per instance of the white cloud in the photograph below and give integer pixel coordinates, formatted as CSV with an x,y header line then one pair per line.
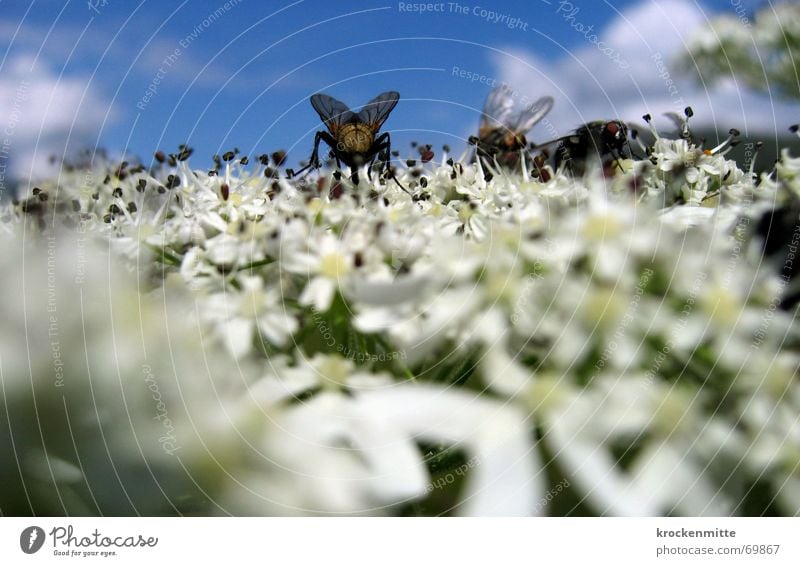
x,y
588,84
42,114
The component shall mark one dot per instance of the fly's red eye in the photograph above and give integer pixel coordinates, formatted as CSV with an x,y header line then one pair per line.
x,y
612,128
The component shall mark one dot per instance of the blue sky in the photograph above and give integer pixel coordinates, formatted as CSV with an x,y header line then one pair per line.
x,y
244,78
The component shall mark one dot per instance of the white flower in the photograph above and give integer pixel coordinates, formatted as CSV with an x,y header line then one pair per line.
x,y
237,314
634,331
358,453
674,153
666,474
327,265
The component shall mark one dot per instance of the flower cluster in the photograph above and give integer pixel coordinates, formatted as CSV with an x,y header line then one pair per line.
x,y
473,346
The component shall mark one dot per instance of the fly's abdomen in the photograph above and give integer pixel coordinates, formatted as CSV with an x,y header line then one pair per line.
x,y
355,138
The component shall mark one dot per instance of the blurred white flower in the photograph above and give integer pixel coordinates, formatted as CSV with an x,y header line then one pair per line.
x,y
237,314
367,351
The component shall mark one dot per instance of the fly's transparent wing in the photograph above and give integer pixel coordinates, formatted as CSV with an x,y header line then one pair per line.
x,y
375,112
498,109
529,116
681,122
333,112
675,118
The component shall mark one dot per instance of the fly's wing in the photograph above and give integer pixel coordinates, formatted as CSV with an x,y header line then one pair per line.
x,y
529,117
375,112
676,119
333,112
497,110
681,124
572,138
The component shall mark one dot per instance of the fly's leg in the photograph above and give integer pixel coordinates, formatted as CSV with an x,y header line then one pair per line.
x,y
383,149
313,162
617,160
380,149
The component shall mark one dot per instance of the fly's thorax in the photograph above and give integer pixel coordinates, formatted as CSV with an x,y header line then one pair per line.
x,y
515,141
355,138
